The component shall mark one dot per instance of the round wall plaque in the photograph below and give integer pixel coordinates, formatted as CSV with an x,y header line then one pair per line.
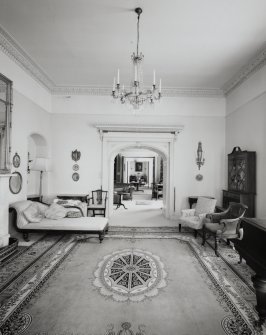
x,y
75,176
75,167
15,182
16,160
199,177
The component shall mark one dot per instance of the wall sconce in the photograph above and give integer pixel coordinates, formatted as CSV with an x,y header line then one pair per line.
x,y
29,161
200,160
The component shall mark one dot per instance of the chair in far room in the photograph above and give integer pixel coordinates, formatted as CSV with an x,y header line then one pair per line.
x,y
97,202
224,225
193,218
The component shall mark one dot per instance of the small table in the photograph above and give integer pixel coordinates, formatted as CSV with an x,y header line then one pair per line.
x,y
136,184
119,203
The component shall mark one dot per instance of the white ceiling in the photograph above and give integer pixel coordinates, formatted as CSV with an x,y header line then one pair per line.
x,y
190,43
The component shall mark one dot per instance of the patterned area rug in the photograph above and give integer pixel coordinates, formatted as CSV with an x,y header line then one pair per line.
x,y
147,281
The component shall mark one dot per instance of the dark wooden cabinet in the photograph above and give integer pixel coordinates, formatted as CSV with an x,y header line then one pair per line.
x,y
241,180
242,171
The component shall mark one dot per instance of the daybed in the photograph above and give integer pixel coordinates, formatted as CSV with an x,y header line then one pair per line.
x,y
25,224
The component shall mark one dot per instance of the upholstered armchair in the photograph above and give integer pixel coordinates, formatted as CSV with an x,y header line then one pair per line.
x,y
224,225
193,218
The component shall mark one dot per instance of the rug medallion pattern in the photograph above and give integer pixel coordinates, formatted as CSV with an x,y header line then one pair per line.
x,y
130,274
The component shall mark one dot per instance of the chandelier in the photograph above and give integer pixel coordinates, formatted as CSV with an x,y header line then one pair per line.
x,y
136,96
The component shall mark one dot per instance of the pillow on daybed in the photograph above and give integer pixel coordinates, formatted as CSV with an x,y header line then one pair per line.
x,y
20,206
74,214
55,212
35,212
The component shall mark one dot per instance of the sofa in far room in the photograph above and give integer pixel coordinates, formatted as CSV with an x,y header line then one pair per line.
x,y
28,216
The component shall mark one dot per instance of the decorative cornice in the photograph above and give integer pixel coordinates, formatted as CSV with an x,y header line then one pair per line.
x,y
166,92
14,51
254,65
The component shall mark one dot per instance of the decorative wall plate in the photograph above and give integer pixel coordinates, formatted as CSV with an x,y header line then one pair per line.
x,y
15,182
199,177
75,167
75,176
16,160
75,155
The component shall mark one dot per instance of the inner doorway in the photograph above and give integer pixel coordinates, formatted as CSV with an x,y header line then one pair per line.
x,y
138,175
117,138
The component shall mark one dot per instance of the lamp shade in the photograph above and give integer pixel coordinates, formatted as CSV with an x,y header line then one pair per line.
x,y
41,164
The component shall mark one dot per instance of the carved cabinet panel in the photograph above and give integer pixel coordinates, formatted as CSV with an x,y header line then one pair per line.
x,y
241,180
242,171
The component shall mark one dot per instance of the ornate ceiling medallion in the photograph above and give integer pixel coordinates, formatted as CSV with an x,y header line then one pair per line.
x,y
130,274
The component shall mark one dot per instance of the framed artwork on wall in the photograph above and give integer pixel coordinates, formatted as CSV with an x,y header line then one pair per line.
x,y
139,166
15,182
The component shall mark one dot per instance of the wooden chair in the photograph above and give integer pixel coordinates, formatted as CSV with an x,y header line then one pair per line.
x,y
97,202
224,225
157,191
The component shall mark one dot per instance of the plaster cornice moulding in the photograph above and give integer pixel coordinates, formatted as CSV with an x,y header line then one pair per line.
x,y
254,65
166,92
14,51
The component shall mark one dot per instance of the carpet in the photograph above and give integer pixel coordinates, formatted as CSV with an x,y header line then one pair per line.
x,y
143,202
156,283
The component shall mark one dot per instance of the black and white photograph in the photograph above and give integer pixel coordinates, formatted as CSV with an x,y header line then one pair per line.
x,y
132,167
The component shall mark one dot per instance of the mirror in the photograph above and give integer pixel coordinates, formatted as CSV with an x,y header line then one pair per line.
x,y
15,182
5,123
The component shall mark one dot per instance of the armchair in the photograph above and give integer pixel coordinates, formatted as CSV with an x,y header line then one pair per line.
x,y
97,202
193,218
224,225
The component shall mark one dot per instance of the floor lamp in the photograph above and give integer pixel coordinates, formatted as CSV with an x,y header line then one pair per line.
x,y
42,165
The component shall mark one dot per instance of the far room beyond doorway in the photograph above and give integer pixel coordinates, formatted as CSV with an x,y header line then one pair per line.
x,y
138,188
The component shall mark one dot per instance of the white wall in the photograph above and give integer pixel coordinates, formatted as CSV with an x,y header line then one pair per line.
x,y
27,118
202,118
246,128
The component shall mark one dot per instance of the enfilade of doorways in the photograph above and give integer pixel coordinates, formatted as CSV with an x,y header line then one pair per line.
x,y
138,176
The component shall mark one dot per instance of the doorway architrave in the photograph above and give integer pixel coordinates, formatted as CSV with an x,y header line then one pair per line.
x,y
161,142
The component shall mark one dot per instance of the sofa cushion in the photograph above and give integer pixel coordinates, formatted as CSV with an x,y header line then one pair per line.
x,y
55,212
20,206
32,213
74,214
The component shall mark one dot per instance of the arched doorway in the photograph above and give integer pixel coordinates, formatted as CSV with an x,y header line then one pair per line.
x,y
37,148
162,143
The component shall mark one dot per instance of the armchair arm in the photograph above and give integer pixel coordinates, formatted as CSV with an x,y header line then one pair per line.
x,y
216,217
231,226
187,212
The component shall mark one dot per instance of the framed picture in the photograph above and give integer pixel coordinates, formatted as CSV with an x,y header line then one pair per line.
x,y
15,183
139,166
